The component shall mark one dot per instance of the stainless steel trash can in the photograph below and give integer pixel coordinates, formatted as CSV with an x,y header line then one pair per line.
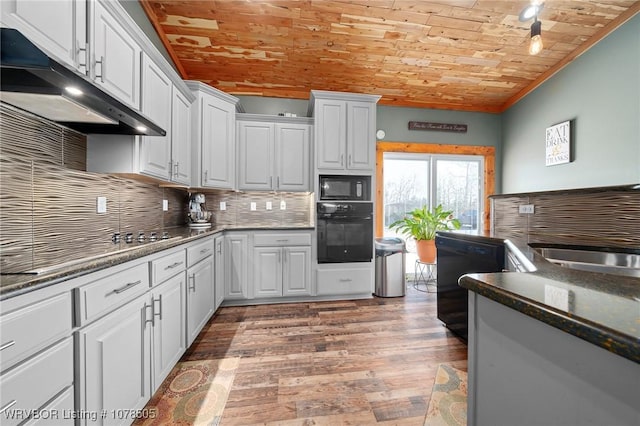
x,y
390,267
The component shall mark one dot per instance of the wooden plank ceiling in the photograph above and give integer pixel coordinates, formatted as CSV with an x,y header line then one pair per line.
x,y
449,54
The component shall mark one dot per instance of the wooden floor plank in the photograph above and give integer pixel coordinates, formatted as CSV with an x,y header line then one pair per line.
x,y
358,362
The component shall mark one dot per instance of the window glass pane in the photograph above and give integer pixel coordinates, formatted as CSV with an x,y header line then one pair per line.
x,y
458,189
406,186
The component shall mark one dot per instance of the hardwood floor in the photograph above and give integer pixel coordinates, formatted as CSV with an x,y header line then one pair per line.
x,y
331,363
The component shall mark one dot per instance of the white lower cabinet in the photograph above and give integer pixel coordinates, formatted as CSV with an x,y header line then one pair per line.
x,y
114,362
25,389
200,297
236,266
281,271
169,327
347,279
218,271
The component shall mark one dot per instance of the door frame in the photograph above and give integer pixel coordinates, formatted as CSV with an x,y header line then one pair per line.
x,y
487,152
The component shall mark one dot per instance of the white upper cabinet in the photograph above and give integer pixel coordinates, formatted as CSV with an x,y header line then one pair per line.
x,y
57,27
115,64
344,130
156,104
292,161
181,143
214,134
273,155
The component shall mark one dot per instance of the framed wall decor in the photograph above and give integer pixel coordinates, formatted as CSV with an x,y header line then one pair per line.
x,y
558,144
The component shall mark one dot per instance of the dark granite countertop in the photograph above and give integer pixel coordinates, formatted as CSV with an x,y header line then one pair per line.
x,y
12,285
603,309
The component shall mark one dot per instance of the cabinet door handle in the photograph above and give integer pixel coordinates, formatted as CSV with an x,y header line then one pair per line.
x,y
278,182
285,254
101,75
192,278
159,314
341,159
206,173
204,250
282,241
271,181
82,49
345,280
7,345
153,314
175,265
126,287
177,169
349,160
9,405
219,248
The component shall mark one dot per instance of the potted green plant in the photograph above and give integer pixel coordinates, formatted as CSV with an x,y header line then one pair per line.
x,y
422,224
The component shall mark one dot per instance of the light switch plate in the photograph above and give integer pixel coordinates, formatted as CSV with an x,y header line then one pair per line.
x,y
283,205
101,205
269,205
165,205
223,206
253,206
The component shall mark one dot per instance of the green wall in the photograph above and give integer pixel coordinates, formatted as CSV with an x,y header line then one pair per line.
x,y
600,90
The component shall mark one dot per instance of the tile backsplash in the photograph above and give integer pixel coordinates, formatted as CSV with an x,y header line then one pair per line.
x,y
605,217
48,199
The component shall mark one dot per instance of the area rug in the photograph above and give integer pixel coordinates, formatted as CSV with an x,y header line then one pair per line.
x,y
194,393
448,405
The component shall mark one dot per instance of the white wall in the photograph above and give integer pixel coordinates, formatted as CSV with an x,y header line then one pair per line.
x,y
600,90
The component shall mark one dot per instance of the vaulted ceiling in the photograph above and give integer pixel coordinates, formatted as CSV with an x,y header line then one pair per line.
x,y
448,54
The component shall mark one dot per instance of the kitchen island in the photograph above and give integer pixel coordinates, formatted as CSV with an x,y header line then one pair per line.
x,y
534,360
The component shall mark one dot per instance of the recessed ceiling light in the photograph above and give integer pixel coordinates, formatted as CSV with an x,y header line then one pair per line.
x,y
73,90
141,129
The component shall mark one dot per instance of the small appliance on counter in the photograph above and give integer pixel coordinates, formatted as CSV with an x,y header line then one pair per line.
x,y
198,217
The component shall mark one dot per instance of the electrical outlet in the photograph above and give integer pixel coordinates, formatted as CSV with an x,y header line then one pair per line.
x,y
556,297
253,206
101,205
165,205
223,206
526,209
283,205
269,205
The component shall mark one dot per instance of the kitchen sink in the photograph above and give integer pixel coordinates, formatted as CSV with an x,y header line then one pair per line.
x,y
602,260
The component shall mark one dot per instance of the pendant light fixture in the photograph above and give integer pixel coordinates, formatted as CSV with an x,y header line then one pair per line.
x,y
527,13
536,45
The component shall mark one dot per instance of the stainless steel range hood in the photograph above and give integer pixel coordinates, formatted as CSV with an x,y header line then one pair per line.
x,y
34,82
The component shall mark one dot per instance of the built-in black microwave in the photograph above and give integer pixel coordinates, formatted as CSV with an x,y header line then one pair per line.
x,y
344,187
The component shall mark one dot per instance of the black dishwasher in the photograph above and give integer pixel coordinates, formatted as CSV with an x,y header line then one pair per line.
x,y
458,255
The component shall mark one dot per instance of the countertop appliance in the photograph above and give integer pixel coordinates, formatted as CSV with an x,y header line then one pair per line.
x,y
198,217
345,232
34,82
345,188
458,255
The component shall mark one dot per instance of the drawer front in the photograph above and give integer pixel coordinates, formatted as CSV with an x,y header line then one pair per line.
x,y
30,385
108,293
199,251
167,266
278,240
344,281
32,328
57,412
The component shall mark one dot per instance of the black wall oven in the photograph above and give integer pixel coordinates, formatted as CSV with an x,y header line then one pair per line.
x,y
345,232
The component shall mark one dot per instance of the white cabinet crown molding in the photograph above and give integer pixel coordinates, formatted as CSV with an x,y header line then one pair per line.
x,y
266,118
195,86
338,96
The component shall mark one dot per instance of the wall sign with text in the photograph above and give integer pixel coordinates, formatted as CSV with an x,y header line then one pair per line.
x,y
442,127
558,144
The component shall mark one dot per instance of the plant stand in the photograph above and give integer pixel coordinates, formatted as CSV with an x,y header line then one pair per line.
x,y
424,274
